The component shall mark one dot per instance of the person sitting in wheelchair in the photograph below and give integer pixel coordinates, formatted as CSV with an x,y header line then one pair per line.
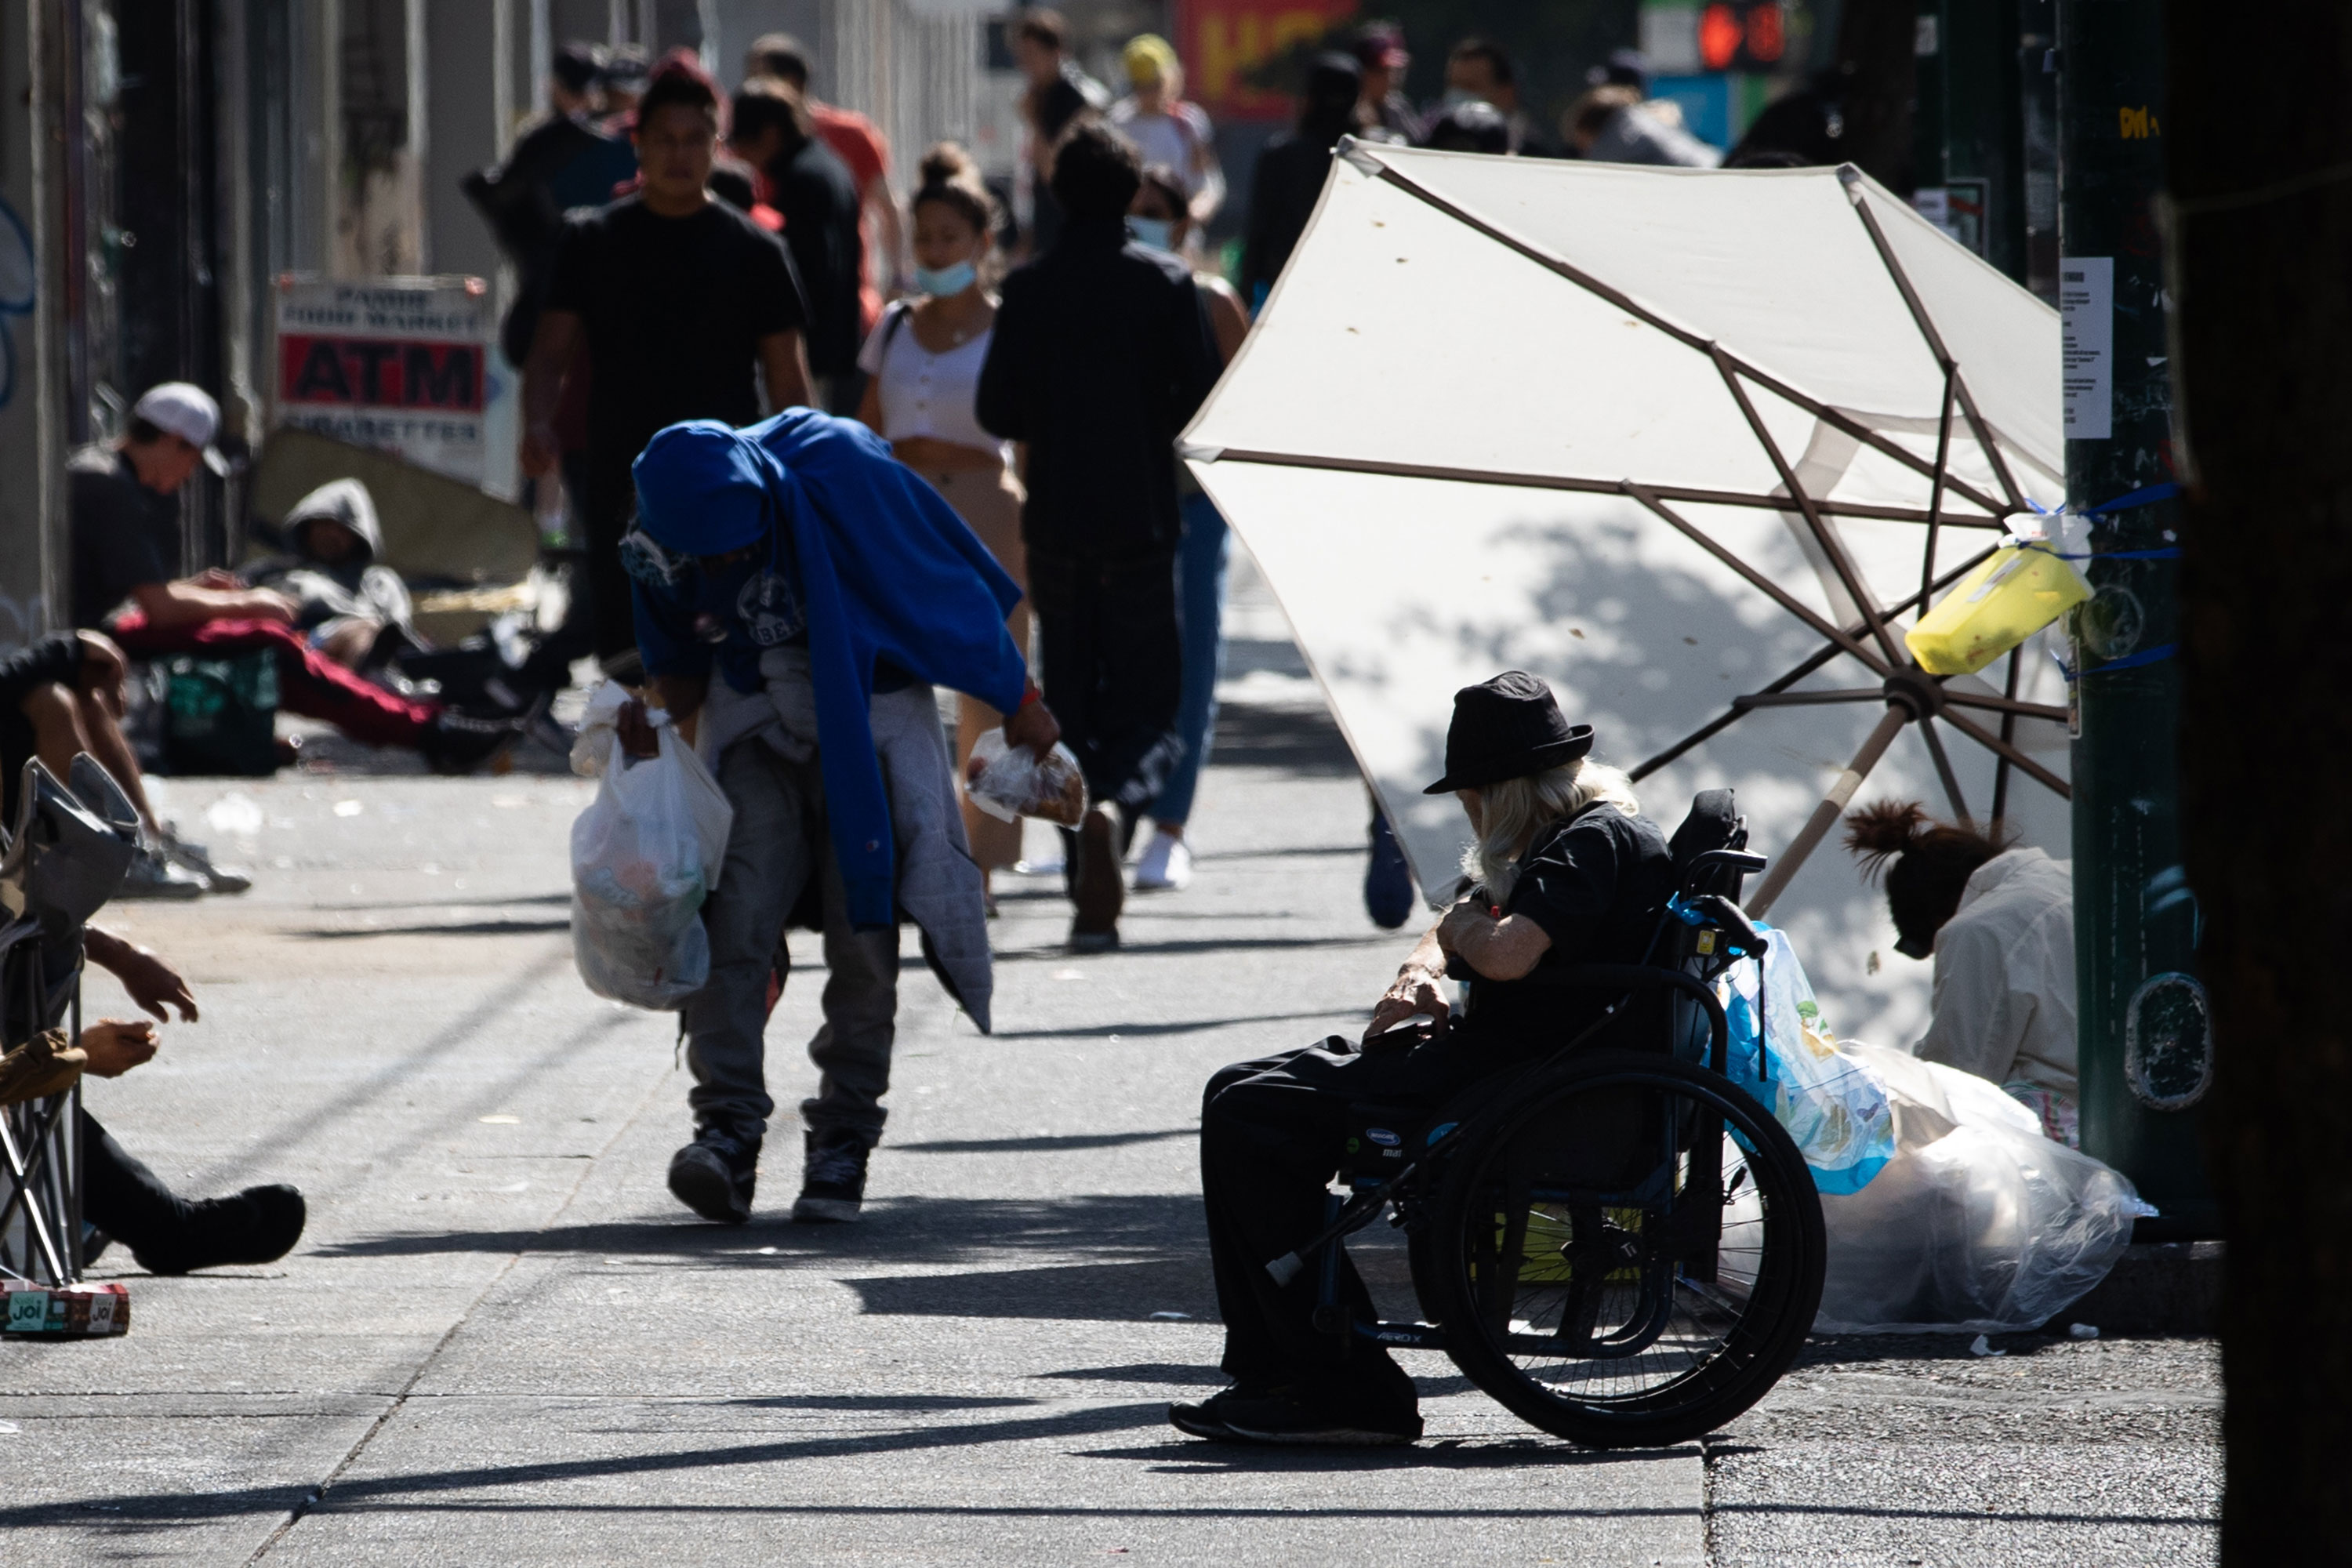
x,y
1565,869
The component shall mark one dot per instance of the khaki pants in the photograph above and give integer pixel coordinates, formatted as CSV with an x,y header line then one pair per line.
x,y
989,500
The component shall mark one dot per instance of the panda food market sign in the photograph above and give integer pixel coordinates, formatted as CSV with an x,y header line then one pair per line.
x,y
400,364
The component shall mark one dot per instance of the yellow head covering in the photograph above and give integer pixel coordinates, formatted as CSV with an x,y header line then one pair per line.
x,y
1149,59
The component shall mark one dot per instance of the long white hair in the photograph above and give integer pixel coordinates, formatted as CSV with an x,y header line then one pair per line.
x,y
1514,811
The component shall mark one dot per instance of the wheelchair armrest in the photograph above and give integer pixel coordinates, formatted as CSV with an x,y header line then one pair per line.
x,y
1740,862
1646,977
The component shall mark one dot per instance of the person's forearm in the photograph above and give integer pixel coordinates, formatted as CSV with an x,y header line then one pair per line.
x,y
105,949
185,605
682,695
786,365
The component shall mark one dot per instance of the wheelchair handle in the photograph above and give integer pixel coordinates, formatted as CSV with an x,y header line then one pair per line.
x,y
1738,860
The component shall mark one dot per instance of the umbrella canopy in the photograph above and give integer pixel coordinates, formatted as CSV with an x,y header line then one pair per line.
x,y
1692,444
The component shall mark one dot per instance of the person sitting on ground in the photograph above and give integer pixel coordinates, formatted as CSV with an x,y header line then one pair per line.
x,y
1999,919
62,694
122,503
829,587
124,1201
354,608
1565,869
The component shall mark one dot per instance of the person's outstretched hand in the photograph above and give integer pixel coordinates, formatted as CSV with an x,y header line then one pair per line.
x,y
146,979
1033,725
114,1048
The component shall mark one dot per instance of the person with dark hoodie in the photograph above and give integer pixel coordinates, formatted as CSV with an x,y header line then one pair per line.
x,y
828,589
1102,352
1291,171
355,609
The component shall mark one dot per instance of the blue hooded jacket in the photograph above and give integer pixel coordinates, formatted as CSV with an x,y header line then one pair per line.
x,y
864,561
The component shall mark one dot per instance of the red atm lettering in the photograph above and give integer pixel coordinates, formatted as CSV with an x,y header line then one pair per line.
x,y
378,373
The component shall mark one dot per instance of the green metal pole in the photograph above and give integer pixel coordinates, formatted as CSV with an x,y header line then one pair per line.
x,y
2143,1046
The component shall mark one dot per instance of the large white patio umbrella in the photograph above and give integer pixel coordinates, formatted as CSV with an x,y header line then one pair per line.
x,y
1692,444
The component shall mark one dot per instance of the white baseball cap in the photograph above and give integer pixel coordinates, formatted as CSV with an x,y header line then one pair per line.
x,y
187,411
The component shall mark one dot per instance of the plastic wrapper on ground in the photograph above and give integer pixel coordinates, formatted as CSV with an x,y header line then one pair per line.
x,y
1979,1223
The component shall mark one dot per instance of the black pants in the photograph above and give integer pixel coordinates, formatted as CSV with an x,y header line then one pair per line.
x,y
608,505
123,1197
1273,1132
1114,662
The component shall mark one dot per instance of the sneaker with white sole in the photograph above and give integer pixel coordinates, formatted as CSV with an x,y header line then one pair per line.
x,y
1166,866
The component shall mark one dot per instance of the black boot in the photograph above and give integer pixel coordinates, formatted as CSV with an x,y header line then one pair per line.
x,y
259,1224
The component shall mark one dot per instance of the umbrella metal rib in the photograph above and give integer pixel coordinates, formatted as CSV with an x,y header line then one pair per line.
x,y
1851,178
1721,721
1836,419
1386,468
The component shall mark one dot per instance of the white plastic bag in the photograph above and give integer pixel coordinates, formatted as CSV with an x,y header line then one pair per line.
x,y
1011,782
644,856
1980,1223
1837,1113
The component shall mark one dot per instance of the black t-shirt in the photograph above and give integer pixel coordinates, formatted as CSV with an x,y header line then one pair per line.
x,y
674,309
819,201
1595,884
124,535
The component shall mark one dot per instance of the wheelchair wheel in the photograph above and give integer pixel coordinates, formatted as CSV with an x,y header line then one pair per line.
x,y
1630,1257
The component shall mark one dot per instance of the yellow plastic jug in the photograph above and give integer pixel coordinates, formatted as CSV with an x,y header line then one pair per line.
x,y
2022,589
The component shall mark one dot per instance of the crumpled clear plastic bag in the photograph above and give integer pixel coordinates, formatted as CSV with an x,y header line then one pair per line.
x,y
1980,1223
1837,1114
1011,782
645,855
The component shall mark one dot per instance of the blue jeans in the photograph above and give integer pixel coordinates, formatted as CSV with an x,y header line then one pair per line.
x,y
1201,563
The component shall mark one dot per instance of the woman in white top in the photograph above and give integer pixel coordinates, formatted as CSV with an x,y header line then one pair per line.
x,y
1999,922
922,364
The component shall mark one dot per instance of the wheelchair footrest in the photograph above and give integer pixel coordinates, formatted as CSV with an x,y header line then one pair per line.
x,y
1402,1336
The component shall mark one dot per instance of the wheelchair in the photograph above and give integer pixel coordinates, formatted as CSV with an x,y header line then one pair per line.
x,y
1617,1242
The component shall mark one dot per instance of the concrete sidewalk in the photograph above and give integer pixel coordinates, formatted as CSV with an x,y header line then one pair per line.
x,y
501,1340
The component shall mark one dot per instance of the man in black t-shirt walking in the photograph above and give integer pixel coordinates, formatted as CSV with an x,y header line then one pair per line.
x,y
682,304
773,132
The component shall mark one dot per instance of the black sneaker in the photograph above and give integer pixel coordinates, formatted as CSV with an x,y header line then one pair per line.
x,y
714,1176
460,743
1207,1420
833,1181
259,1224
1292,1420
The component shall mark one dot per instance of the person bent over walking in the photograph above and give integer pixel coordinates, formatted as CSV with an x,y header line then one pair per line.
x,y
828,588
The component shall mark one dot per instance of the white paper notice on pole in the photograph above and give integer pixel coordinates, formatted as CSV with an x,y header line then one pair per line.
x,y
400,364
2086,312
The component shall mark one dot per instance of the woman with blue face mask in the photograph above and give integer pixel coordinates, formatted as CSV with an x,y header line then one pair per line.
x,y
922,364
1159,217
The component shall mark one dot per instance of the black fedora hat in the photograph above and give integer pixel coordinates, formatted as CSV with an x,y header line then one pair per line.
x,y
1506,727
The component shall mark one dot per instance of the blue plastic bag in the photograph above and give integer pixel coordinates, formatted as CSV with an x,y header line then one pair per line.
x,y
1837,1113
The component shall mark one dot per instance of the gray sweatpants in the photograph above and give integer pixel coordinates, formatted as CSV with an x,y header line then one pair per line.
x,y
778,842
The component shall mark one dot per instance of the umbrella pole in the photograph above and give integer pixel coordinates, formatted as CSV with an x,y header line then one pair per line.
x,y
1825,816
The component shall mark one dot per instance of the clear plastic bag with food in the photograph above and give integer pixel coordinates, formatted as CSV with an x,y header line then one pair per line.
x,y
1011,782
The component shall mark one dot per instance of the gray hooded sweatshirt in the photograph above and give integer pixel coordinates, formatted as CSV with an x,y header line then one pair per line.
x,y
359,585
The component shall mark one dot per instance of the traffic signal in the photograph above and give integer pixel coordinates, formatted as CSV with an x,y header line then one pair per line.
x,y
1742,34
